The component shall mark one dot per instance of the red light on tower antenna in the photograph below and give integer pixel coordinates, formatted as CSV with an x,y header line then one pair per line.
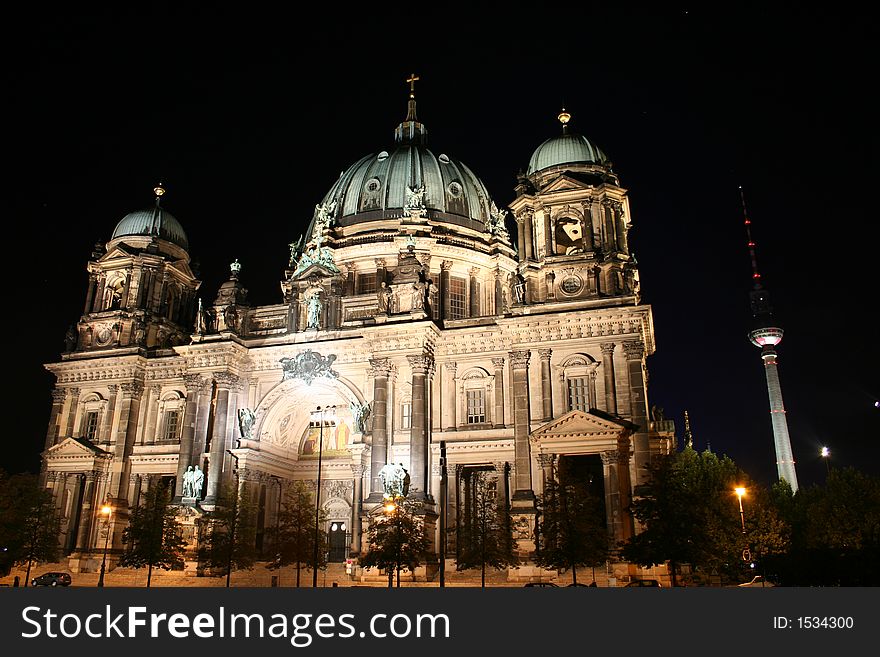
x,y
756,275
748,222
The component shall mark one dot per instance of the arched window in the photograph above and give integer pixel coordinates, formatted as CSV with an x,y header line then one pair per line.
x,y
113,292
91,410
475,391
171,407
579,377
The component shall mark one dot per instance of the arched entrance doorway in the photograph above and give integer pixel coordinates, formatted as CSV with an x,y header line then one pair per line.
x,y
337,541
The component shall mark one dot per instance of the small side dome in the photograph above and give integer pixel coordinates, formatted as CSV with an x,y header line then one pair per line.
x,y
153,221
565,149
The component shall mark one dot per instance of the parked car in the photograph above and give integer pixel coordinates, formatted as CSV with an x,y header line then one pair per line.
x,y
541,584
644,582
579,584
51,579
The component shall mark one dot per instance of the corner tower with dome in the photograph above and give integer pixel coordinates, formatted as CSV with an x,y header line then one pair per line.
x,y
414,311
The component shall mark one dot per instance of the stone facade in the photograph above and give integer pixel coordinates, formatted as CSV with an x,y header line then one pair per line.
x,y
407,325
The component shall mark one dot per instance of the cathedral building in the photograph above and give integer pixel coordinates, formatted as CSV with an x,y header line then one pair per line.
x,y
413,313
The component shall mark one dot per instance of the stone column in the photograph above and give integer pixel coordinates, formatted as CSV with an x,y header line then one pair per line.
x,y
546,384
73,393
617,492
134,489
499,392
152,401
548,233
203,412
98,303
524,495
90,294
126,289
608,369
226,383
380,371
126,431
547,462
503,495
194,384
418,441
445,267
634,350
499,292
357,473
86,513
107,424
474,293
451,396
57,402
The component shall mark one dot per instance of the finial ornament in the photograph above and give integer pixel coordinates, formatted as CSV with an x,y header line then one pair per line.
x,y
412,84
564,117
235,267
158,190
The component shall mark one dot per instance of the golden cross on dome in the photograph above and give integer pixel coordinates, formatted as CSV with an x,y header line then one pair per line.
x,y
412,84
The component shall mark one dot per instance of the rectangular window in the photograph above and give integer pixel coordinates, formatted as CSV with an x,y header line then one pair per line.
x,y
90,425
366,283
578,394
172,425
476,406
406,415
457,298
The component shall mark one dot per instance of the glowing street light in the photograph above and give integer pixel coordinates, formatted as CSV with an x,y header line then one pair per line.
x,y
106,510
740,491
826,454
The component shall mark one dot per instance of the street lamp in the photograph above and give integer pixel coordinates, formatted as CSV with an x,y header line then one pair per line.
x,y
740,491
826,454
320,412
106,510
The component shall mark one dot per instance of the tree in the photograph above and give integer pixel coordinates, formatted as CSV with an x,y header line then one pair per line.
x,y
29,524
485,538
153,536
835,532
572,530
397,538
228,533
295,533
689,513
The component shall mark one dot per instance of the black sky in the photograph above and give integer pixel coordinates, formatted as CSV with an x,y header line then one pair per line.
x,y
250,118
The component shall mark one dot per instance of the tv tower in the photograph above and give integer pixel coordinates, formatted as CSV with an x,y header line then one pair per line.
x,y
766,335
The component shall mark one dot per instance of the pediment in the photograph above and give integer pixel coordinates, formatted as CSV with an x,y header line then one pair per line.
x,y
581,423
74,448
564,183
118,251
314,269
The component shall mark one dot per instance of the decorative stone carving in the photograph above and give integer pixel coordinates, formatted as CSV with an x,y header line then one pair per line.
x,y
132,390
519,359
194,383
420,363
634,349
246,419
308,366
607,348
360,414
227,380
380,367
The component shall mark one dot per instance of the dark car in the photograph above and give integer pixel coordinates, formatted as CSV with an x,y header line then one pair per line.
x,y
51,579
644,582
541,584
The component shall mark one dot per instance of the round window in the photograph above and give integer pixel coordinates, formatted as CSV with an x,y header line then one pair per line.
x,y
373,185
454,189
571,285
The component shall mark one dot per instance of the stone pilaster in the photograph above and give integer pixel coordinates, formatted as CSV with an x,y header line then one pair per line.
x,y
194,384
451,395
615,465
498,363
86,512
420,365
380,371
634,351
107,424
474,292
57,403
73,395
152,414
445,268
546,384
126,433
523,496
226,383
608,369
357,473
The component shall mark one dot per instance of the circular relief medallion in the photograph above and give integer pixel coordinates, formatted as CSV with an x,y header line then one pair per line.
x,y
373,185
454,189
104,335
571,285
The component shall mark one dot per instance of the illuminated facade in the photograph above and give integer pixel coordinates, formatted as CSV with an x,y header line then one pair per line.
x,y
410,311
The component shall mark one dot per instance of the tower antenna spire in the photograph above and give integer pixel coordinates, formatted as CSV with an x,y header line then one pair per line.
x,y
766,335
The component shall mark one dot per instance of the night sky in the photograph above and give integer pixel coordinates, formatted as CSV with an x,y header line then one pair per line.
x,y
250,118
